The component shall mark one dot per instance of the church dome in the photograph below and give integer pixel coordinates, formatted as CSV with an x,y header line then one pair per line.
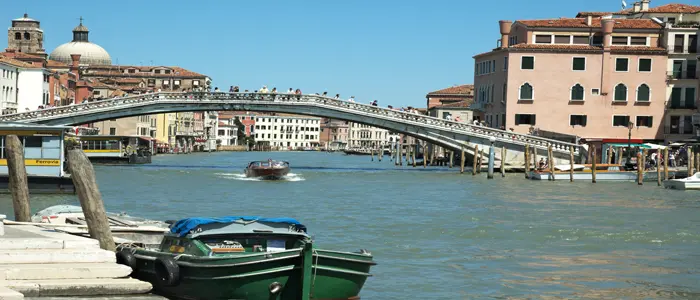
x,y
90,53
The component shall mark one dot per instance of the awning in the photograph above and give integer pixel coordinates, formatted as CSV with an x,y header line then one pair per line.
x,y
632,145
655,146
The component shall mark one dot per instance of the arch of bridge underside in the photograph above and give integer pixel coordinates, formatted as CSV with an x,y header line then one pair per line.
x,y
448,134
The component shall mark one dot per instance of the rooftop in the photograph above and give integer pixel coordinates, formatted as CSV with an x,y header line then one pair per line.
x,y
142,71
581,23
16,63
583,14
465,89
677,8
460,104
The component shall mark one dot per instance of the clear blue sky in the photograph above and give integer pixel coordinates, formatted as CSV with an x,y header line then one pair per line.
x,y
392,51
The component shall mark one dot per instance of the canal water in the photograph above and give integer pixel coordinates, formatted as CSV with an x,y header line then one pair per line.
x,y
437,234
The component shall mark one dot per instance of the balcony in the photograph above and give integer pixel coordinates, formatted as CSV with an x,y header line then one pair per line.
x,y
687,74
682,49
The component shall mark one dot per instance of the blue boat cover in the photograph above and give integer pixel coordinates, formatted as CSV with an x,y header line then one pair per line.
x,y
184,226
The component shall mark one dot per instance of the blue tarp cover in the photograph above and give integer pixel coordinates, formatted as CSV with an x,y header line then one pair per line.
x,y
184,226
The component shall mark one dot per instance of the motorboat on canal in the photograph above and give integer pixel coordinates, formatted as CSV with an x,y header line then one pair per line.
x,y
690,183
246,258
270,169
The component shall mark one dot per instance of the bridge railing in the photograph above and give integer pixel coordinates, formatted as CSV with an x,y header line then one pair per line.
x,y
286,98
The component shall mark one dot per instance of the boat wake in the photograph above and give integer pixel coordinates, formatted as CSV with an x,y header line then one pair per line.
x,y
242,177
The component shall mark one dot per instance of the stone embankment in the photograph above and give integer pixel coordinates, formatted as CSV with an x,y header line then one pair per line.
x,y
38,262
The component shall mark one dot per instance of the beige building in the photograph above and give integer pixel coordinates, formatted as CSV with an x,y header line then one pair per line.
x,y
681,28
588,77
334,134
364,137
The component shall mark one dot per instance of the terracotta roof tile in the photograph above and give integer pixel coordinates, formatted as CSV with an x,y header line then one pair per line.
x,y
555,47
565,48
55,64
17,55
581,23
675,8
583,14
17,63
459,104
144,71
465,89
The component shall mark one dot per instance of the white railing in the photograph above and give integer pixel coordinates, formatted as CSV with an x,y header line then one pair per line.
x,y
206,97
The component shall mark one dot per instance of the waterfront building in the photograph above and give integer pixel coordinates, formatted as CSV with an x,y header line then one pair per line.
x,y
24,87
681,28
334,134
450,95
287,132
365,136
227,132
558,74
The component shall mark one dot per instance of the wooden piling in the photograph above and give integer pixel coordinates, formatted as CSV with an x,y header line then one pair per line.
x,y
399,158
503,161
475,158
452,157
527,160
666,163
658,168
425,155
690,161
550,161
481,161
571,163
640,168
371,153
609,157
593,163
588,160
535,165
697,164
18,185
619,156
380,153
461,162
413,154
83,176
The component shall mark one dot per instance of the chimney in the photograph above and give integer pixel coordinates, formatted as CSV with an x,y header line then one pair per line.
x,y
637,7
645,5
589,20
74,67
607,26
505,32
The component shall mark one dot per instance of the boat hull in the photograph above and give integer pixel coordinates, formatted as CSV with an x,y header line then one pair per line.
x,y
336,275
600,176
267,173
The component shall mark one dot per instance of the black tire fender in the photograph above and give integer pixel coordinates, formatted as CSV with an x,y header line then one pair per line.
x,y
125,257
167,271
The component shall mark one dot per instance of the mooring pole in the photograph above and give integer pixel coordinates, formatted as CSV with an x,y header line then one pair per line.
x,y
492,157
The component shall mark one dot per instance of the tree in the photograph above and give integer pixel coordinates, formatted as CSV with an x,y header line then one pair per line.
x,y
241,131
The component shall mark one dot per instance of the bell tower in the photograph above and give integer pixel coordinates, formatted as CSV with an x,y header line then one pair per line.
x,y
26,36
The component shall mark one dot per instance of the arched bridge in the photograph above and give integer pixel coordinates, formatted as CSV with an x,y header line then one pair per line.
x,y
448,134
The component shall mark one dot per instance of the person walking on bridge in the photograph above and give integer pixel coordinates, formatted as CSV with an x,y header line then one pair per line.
x,y
352,99
337,97
290,91
264,89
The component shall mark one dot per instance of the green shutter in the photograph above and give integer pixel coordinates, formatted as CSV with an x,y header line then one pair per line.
x,y
643,93
676,98
621,64
620,92
689,97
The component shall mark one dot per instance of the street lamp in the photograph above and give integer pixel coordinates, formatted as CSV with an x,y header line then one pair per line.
x,y
630,125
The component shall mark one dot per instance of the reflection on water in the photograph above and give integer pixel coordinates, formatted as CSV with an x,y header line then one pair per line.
x,y
237,176
437,234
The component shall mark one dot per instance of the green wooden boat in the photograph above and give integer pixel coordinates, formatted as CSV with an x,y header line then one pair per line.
x,y
246,258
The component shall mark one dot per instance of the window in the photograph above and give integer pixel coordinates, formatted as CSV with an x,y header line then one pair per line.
x,y
638,41
620,92
597,39
167,71
644,121
27,36
579,120
687,124
645,65
621,121
505,63
619,40
581,40
690,68
132,71
543,39
676,97
671,20
526,92
527,62
525,119
18,36
562,39
643,93
689,97
621,64
577,92
579,64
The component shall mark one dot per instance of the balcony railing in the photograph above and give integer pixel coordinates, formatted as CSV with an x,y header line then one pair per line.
x,y
677,129
682,48
686,74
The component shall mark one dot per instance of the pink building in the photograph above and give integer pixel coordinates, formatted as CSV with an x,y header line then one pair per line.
x,y
588,77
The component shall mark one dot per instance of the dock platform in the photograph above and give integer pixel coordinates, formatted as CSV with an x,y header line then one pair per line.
x,y
38,263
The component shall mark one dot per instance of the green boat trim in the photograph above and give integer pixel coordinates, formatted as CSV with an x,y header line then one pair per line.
x,y
342,271
190,264
371,263
236,276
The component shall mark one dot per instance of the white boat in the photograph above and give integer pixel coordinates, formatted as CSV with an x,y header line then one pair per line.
x,y
604,172
125,228
690,183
